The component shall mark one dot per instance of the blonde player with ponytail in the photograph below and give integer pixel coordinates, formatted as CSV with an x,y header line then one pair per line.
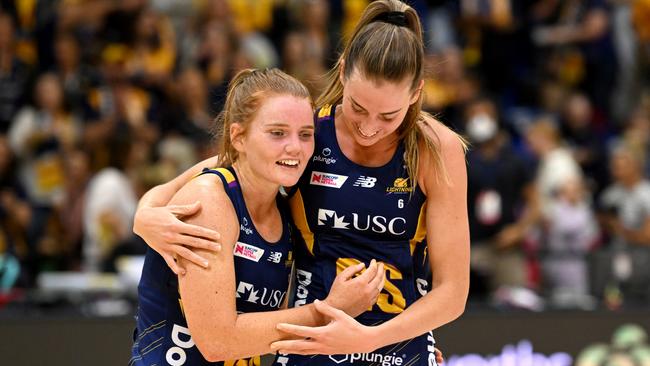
x,y
229,311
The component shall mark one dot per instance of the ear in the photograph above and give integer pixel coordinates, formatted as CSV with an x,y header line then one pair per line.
x,y
417,92
342,71
237,136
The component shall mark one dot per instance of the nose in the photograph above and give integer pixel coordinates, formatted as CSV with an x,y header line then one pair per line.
x,y
293,145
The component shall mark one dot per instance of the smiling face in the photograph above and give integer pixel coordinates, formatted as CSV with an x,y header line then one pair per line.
x,y
373,111
279,141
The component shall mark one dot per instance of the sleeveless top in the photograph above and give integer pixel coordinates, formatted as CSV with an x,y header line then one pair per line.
x,y
262,271
348,213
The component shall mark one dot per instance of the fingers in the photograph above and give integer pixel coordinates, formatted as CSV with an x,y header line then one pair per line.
x,y
326,309
380,277
196,242
178,270
185,210
299,330
369,273
440,359
189,255
296,347
197,231
350,271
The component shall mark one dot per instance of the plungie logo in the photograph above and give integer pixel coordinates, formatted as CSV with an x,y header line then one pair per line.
x,y
378,358
324,157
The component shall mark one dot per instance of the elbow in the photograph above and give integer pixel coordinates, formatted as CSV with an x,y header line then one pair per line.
x,y
458,310
213,349
458,307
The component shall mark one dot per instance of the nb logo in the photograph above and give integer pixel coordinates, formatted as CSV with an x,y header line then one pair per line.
x,y
365,182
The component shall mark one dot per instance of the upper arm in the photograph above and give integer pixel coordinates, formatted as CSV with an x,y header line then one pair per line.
x,y
208,294
446,213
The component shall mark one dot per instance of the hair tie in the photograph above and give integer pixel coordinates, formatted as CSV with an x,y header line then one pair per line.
x,y
397,18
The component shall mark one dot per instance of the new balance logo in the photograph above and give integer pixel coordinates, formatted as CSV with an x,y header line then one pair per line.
x,y
365,182
275,257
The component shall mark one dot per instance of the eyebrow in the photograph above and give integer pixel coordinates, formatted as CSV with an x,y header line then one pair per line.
x,y
383,114
280,124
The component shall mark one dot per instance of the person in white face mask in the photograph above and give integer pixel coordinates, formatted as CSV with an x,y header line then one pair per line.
x,y
501,203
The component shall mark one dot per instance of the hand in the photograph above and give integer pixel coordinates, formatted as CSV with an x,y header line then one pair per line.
x,y
343,335
440,359
358,294
162,230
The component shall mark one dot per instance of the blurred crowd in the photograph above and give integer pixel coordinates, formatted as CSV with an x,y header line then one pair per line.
x,y
102,99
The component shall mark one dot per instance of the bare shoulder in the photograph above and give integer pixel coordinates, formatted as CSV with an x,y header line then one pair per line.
x,y
217,210
204,188
449,143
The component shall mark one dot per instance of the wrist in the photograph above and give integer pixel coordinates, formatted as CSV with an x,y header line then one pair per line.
x,y
374,337
321,318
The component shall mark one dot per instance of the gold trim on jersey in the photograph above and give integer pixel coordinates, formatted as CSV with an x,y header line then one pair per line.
x,y
225,172
325,111
252,361
421,230
300,218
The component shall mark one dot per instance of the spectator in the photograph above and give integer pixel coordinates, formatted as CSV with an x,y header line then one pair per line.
x,y
556,164
14,74
583,139
571,233
575,43
625,215
153,51
117,111
502,204
75,76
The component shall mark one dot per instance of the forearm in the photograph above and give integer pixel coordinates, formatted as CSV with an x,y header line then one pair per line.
x,y
252,333
440,306
636,236
160,195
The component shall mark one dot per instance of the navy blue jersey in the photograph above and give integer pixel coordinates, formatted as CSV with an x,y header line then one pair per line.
x,y
262,271
348,213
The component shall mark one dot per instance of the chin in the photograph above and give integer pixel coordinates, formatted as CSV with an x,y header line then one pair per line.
x,y
366,142
288,179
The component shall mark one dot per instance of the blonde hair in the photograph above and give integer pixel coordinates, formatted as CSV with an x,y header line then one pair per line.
x,y
246,93
386,50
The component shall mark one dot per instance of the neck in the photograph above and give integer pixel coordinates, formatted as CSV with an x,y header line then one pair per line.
x,y
631,181
259,194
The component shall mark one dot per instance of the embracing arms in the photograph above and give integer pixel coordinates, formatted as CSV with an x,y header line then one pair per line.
x,y
208,294
154,214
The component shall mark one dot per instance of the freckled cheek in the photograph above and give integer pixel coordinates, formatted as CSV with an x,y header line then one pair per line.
x,y
308,148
